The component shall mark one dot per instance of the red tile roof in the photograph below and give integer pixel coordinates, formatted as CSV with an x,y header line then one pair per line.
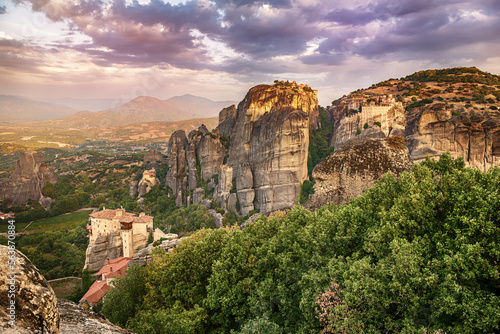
x,y
96,292
125,217
115,267
109,214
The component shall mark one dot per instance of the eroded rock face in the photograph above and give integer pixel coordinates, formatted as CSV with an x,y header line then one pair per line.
x,y
198,156
429,130
27,181
380,119
210,154
223,189
104,247
35,302
267,156
269,144
76,320
176,177
227,117
473,135
355,167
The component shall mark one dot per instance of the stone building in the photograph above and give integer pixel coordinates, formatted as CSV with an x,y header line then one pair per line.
x,y
133,230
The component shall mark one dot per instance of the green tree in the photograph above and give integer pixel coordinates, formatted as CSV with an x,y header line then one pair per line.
x,y
123,300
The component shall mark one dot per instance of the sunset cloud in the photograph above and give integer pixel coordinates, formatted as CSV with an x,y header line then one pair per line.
x,y
250,39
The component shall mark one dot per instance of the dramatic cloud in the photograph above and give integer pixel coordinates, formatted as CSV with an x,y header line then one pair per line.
x,y
251,39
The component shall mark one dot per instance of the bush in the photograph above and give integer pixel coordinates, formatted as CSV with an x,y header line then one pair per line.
x,y
306,189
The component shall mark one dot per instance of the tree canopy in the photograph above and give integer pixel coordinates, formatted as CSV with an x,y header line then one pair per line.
x,y
418,254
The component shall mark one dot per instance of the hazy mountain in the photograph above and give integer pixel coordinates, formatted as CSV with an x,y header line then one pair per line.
x,y
144,109
84,104
20,109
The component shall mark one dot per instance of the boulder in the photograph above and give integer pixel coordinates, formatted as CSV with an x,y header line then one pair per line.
x,y
76,320
355,167
35,302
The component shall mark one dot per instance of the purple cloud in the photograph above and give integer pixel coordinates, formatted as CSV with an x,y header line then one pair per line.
x,y
259,31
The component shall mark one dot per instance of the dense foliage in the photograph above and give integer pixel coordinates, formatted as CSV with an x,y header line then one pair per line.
x,y
456,74
56,254
418,254
319,147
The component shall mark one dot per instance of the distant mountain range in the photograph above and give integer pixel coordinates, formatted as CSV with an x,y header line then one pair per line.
x,y
140,109
20,109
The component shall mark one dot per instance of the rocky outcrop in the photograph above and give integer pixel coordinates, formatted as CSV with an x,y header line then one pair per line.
x,y
176,177
355,167
35,307
210,153
105,247
148,181
27,181
143,256
76,320
223,189
153,156
200,155
261,146
431,130
227,117
269,143
471,134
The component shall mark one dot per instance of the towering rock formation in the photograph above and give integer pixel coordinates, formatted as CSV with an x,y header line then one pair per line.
x,y
27,181
200,155
258,153
227,117
269,145
176,177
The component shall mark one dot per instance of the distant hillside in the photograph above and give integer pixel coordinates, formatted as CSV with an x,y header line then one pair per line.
x,y
143,109
454,110
467,85
19,109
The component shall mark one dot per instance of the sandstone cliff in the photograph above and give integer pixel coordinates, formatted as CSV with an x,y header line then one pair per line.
x,y
355,167
190,159
27,181
471,134
35,302
452,110
255,159
105,247
269,145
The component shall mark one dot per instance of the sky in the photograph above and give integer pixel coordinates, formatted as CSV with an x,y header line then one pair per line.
x,y
219,49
